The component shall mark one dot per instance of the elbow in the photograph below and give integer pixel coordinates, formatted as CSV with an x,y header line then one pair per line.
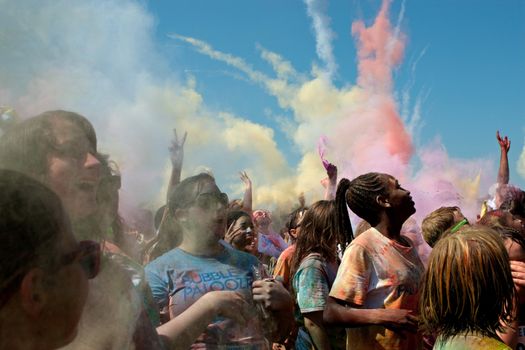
x,y
330,314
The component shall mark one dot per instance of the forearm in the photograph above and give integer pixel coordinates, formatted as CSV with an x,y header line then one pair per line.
x,y
284,319
182,331
329,193
348,317
314,325
174,178
247,200
503,172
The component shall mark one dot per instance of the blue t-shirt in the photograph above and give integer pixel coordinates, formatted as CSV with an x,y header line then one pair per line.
x,y
178,279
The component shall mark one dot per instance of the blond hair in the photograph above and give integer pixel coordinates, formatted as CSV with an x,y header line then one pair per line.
x,y
437,222
468,285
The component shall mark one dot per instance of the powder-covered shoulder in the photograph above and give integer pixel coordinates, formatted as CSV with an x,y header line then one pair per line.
x,y
241,258
164,261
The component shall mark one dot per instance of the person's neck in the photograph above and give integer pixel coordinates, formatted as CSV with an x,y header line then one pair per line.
x,y
15,336
390,229
200,247
87,228
265,230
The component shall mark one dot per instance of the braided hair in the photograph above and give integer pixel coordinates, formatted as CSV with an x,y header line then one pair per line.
x,y
360,196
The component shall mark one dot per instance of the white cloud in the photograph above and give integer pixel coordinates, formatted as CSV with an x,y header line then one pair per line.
x,y
316,10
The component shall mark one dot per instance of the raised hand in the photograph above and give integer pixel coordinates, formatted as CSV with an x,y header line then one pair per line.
x,y
504,143
331,171
177,149
246,179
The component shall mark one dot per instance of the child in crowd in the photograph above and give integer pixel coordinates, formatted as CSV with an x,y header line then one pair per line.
x,y
460,300
314,267
440,220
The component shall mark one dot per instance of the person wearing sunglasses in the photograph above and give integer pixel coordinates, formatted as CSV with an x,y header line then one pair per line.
x,y
201,269
44,271
59,149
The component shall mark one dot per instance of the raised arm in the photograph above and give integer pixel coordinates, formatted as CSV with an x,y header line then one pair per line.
x,y
247,199
330,182
503,172
177,156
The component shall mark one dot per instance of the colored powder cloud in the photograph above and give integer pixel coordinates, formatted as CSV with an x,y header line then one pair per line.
x,y
362,122
65,59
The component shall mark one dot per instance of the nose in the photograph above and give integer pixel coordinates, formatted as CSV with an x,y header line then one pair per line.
x,y
91,161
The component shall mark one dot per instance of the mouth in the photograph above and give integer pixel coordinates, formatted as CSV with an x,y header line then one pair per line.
x,y
219,222
87,186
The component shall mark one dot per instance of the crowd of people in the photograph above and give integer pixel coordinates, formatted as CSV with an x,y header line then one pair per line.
x,y
216,273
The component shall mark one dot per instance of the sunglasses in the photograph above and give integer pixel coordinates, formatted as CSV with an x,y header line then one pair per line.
x,y
214,200
87,255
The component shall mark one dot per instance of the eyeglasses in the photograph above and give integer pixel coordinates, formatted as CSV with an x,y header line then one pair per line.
x,y
88,256
213,200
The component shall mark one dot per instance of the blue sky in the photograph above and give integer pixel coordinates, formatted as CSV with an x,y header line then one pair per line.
x,y
247,82
470,58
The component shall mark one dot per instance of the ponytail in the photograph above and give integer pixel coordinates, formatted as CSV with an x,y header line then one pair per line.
x,y
343,225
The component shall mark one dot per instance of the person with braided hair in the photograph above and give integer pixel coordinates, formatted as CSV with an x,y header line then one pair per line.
x,y
375,293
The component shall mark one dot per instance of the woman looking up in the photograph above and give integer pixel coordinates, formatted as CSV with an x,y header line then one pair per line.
x,y
375,293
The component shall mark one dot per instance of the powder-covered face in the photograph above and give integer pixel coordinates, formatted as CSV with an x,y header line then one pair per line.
x,y
207,213
513,221
247,239
262,219
74,171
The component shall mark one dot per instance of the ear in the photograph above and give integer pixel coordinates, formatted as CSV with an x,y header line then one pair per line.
x,y
293,232
383,201
32,292
180,215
